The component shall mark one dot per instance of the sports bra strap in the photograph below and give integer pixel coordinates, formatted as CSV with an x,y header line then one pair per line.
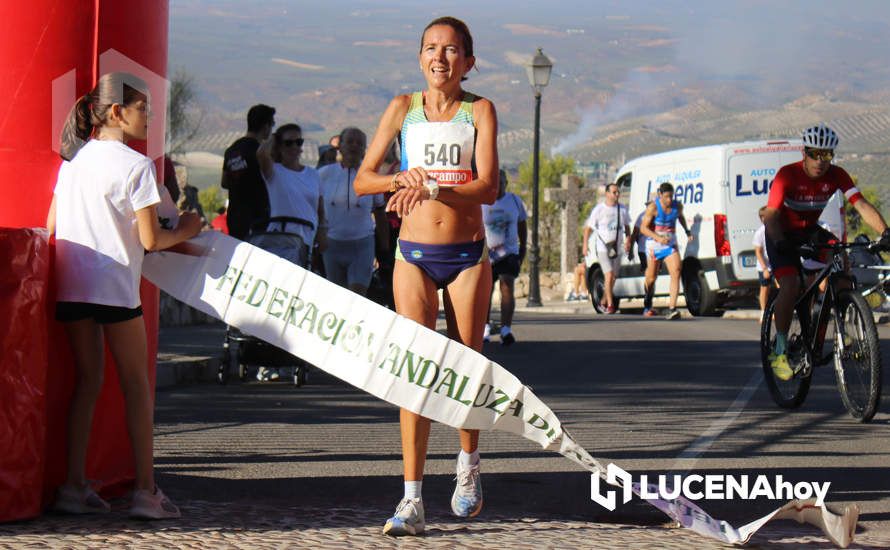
x,y
416,101
466,104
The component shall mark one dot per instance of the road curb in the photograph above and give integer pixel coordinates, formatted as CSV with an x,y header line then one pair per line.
x,y
563,309
748,314
176,370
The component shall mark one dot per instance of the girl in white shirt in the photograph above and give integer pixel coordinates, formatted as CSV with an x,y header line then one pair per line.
x,y
104,214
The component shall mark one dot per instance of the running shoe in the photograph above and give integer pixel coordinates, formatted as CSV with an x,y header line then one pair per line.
x,y
780,366
672,314
649,312
486,333
153,505
79,500
265,374
572,297
466,502
583,297
507,337
612,310
408,519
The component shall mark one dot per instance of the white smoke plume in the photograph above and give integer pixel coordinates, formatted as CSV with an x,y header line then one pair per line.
x,y
639,94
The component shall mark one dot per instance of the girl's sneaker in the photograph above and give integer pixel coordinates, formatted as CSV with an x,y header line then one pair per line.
x,y
507,337
148,505
79,500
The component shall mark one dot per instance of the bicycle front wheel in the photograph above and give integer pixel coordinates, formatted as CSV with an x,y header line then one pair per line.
x,y
788,394
857,357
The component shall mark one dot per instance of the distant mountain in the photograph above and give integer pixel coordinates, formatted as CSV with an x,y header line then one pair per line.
x,y
629,78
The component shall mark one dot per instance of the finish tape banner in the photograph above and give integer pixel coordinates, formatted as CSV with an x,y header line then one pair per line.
x,y
398,360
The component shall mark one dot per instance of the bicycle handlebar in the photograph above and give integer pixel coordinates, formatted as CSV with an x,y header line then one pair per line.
x,y
873,246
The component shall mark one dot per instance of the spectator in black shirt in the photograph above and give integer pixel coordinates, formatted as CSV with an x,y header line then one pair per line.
x,y
248,198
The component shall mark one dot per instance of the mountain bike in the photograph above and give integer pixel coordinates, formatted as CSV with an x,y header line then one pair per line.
x,y
856,351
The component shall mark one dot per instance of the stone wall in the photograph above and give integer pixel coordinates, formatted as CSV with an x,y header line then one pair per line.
x,y
174,313
553,286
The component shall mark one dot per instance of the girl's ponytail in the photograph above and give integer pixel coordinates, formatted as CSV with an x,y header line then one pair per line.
x,y
78,127
91,111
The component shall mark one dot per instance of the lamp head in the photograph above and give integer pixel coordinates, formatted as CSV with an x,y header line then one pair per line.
x,y
538,70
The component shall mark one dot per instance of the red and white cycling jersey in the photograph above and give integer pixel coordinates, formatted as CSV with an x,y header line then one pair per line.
x,y
800,199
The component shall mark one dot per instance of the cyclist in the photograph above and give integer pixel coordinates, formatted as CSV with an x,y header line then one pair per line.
x,y
796,199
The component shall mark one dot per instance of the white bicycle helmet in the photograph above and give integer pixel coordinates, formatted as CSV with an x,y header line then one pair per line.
x,y
820,137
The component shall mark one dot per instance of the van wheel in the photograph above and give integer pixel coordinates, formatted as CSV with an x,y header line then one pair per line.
x,y
700,299
596,287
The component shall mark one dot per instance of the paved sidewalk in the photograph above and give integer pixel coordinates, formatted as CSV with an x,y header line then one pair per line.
x,y
221,525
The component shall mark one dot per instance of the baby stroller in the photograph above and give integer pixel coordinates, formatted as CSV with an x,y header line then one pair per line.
x,y
240,350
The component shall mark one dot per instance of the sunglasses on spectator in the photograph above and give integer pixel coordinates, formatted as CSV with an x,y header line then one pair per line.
x,y
292,142
820,154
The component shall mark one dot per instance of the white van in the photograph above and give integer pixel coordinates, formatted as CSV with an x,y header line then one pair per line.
x,y
722,187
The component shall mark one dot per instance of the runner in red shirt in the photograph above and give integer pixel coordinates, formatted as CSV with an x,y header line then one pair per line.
x,y
797,197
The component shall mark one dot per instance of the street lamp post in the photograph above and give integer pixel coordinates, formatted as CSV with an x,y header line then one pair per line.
x,y
538,76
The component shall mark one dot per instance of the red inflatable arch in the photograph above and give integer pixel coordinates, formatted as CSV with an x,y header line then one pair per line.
x,y
44,41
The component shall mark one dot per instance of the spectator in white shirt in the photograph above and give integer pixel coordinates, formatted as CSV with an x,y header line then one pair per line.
x,y
353,221
608,222
764,273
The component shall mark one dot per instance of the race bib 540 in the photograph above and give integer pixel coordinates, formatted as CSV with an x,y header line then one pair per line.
x,y
443,149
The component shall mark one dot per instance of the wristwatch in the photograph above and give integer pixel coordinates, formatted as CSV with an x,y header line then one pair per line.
x,y
433,187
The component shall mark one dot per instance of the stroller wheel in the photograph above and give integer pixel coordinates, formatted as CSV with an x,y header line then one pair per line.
x,y
222,373
299,376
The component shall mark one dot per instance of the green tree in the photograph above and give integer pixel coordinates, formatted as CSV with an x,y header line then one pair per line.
x,y
211,199
183,116
550,171
855,224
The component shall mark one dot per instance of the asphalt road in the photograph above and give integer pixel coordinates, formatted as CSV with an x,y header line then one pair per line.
x,y
650,395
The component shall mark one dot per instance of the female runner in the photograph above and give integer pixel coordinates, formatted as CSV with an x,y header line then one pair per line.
x,y
449,169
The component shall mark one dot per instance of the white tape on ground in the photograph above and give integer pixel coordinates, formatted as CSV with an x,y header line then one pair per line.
x,y
398,360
